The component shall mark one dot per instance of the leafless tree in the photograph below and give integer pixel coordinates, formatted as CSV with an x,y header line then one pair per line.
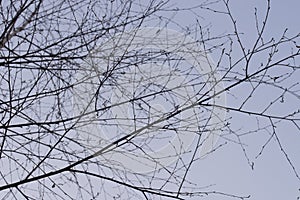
x,y
91,96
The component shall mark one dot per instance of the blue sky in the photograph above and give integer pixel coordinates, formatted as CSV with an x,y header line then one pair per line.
x,y
227,169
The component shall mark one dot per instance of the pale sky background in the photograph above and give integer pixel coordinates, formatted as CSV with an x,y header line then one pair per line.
x,y
272,177
227,169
